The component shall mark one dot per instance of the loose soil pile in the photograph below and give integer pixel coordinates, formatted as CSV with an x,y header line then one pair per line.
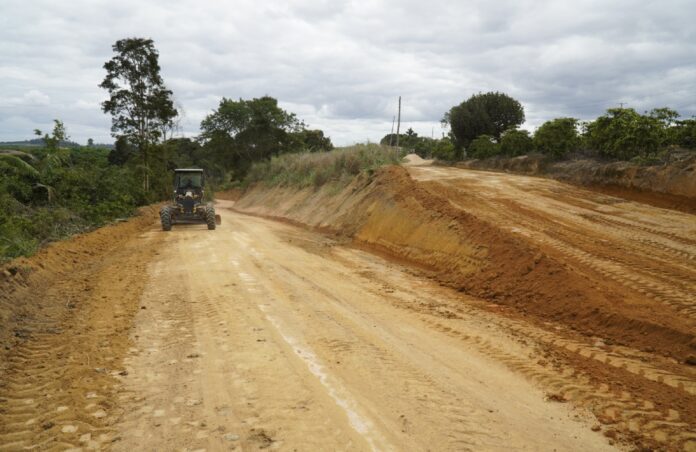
x,y
64,318
419,222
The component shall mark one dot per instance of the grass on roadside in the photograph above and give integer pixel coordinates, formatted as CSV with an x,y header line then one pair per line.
x,y
337,167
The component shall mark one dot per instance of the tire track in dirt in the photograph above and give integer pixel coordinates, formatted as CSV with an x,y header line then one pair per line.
x,y
658,277
226,379
625,414
350,343
58,387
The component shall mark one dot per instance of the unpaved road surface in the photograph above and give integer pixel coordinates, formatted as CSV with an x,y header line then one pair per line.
x,y
263,335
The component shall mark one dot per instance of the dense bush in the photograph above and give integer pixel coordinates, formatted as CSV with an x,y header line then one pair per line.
x,y
444,150
315,169
516,142
623,133
55,201
483,147
685,133
557,137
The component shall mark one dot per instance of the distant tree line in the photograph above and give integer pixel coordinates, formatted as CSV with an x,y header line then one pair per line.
x,y
487,125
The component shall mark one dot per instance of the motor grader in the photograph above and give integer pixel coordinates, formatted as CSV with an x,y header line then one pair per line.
x,y
189,206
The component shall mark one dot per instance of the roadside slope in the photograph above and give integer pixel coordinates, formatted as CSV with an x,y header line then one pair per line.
x,y
457,235
64,314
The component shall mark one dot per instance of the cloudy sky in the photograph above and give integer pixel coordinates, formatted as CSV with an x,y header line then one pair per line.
x,y
341,65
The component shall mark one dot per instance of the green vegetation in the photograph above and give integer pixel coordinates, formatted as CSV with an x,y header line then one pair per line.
x,y
141,107
624,134
483,146
483,114
516,142
486,125
557,137
337,167
444,150
241,132
51,192
423,146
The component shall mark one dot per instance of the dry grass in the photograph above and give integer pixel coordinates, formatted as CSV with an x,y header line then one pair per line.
x,y
316,169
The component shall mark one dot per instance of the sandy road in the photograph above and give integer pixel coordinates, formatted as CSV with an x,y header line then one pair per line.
x,y
263,335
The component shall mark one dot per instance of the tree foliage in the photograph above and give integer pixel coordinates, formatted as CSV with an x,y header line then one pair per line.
x,y
482,147
483,114
516,142
444,150
139,103
423,146
624,133
312,140
557,137
241,131
50,192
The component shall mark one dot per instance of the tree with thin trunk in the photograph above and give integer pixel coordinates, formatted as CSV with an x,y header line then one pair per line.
x,y
140,105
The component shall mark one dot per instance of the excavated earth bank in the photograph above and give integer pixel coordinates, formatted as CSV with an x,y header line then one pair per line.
x,y
419,222
64,317
671,185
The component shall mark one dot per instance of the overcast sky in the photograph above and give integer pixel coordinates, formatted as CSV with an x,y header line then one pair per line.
x,y
341,65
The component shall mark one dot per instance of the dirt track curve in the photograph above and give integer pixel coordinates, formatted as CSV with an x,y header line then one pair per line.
x,y
263,335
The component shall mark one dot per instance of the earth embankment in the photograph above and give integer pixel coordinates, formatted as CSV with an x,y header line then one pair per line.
x,y
501,238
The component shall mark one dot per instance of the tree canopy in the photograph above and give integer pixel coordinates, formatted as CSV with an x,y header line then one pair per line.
x,y
242,131
483,114
140,105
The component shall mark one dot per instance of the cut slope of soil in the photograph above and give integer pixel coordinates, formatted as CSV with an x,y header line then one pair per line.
x,y
671,185
418,222
64,317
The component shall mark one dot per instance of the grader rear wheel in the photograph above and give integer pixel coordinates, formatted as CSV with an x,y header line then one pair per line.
x,y
166,218
210,217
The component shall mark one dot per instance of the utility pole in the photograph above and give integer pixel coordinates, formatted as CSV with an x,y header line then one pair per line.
x,y
391,134
398,124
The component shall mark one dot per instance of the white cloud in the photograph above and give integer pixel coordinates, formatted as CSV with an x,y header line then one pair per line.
x,y
340,65
36,97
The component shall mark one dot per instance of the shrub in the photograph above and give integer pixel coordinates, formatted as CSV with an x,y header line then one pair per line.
x,y
483,147
557,137
516,142
623,133
445,151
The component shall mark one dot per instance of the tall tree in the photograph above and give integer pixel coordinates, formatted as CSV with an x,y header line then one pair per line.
x,y
483,114
140,105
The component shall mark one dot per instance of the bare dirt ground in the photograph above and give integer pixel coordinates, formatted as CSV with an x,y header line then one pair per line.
x,y
265,335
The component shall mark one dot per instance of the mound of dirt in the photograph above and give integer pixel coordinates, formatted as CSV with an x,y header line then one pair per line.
x,y
65,314
22,308
415,159
417,222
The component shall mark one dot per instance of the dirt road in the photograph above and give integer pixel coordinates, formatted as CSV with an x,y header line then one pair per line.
x,y
261,334
264,335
